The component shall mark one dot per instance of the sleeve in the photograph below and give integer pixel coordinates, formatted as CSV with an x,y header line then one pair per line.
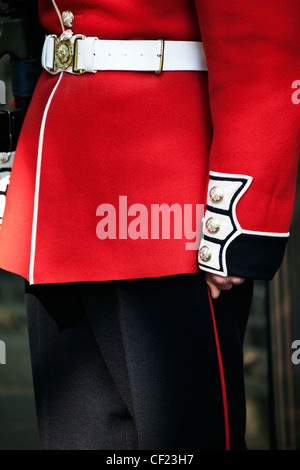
x,y
253,57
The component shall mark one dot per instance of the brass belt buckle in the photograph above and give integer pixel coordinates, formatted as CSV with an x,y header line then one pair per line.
x,y
65,54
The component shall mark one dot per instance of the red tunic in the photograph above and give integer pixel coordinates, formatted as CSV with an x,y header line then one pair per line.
x,y
89,139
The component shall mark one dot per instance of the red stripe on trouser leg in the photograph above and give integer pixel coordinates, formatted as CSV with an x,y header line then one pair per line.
x,y
223,385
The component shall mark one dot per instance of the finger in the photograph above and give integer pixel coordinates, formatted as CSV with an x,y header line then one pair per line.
x,y
237,280
218,283
225,283
221,285
214,290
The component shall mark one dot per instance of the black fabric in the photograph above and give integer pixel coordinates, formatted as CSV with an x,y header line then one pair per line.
x,y
132,365
255,256
25,74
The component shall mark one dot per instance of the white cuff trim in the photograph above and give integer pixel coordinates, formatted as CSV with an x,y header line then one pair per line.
x,y
220,225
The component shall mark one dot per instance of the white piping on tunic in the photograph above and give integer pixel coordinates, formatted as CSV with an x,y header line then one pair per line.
x,y
37,184
58,14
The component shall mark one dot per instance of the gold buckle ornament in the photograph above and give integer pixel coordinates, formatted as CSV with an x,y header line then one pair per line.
x,y
65,54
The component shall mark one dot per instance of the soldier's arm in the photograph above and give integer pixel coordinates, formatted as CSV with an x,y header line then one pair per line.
x,y
252,51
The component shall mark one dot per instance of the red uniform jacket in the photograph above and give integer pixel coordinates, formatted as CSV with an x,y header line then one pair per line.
x,y
99,151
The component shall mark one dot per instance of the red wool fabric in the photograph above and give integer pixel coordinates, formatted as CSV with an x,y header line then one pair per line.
x,y
154,138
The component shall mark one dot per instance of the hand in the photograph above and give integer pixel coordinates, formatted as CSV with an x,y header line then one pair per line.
x,y
218,283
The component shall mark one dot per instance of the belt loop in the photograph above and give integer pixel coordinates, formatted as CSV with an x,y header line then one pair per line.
x,y
161,55
89,56
48,54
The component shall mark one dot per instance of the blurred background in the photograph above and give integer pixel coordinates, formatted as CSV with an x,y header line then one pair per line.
x,y
272,379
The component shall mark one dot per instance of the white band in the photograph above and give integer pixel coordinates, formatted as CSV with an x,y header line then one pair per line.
x,y
131,55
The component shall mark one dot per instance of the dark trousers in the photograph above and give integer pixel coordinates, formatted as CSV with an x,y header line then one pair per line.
x,y
133,364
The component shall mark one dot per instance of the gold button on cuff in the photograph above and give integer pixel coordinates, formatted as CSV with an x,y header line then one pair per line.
x,y
212,225
216,194
68,18
204,254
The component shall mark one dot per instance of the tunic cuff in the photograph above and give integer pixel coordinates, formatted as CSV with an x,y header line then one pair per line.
x,y
225,248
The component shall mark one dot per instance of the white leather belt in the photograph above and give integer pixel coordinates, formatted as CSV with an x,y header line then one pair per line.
x,y
78,54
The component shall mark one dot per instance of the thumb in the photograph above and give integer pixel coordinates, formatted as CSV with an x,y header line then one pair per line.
x,y
214,291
